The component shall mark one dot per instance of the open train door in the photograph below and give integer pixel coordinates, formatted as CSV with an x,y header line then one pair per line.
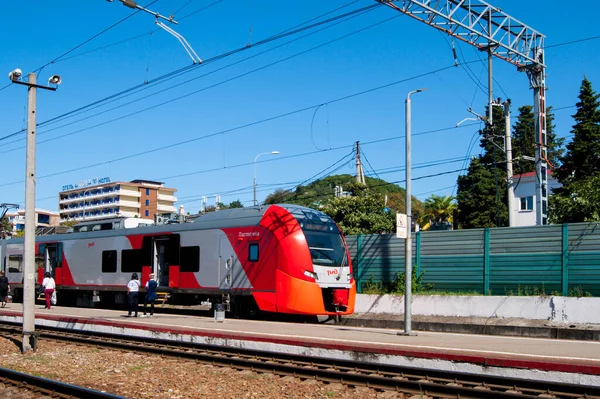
x,y
51,256
166,260
161,266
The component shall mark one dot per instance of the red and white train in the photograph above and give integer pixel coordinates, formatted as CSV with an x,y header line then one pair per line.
x,y
276,258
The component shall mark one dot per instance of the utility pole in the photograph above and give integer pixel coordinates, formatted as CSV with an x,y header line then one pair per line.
x,y
360,174
509,164
29,336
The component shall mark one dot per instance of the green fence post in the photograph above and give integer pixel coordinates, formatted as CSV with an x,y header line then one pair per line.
x,y
486,261
418,254
358,264
565,259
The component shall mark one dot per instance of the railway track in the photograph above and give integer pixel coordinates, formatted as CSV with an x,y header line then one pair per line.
x,y
432,383
18,385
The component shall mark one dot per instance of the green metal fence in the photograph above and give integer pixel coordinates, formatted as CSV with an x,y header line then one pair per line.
x,y
499,261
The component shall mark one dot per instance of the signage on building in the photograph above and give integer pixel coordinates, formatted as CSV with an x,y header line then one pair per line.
x,y
85,183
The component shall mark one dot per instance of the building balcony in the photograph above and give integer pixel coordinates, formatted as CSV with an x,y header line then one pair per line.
x,y
166,197
165,208
88,195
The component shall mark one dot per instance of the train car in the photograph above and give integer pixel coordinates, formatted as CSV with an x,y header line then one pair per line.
x,y
275,258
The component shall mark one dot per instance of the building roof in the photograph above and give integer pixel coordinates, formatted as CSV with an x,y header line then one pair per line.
x,y
140,181
529,174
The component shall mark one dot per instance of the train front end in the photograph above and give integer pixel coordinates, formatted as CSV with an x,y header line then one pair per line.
x,y
314,269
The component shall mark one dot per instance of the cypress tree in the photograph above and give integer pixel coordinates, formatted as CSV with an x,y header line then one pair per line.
x,y
582,158
482,194
523,141
577,199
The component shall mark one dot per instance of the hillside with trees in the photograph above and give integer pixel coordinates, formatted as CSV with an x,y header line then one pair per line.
x,y
362,210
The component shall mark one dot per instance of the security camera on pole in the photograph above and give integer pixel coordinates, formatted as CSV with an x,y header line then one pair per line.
x,y
29,336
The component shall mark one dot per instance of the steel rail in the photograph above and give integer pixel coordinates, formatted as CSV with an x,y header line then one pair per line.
x,y
437,383
24,382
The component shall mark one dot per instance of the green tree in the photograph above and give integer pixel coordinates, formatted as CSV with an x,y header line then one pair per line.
x,y
582,205
236,204
476,197
6,227
319,192
482,193
523,141
439,210
577,200
69,223
582,158
361,213
279,196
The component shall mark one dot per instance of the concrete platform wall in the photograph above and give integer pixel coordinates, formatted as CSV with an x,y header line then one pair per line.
x,y
553,308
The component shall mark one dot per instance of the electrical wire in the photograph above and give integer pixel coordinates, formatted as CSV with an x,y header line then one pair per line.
x,y
229,80
363,155
173,74
186,83
239,127
93,37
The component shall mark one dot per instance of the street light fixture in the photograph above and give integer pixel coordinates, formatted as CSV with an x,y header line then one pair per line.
x,y
29,337
262,153
408,243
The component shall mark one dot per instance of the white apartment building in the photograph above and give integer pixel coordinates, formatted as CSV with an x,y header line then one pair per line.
x,y
43,218
524,212
89,200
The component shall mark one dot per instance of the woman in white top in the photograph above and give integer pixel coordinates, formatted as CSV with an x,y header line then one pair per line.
x,y
133,290
49,286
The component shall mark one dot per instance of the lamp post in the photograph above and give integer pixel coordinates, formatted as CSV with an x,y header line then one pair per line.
x,y
29,337
408,243
255,159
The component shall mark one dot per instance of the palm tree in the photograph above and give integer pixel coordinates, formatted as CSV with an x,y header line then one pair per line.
x,y
439,210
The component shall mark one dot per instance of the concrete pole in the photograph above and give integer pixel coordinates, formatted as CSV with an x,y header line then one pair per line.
x,y
408,243
509,165
29,337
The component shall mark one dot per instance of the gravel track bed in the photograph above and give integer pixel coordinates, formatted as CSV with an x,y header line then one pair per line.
x,y
136,375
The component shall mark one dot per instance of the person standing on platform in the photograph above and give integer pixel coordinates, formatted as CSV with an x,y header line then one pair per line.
x,y
150,294
49,286
4,288
133,290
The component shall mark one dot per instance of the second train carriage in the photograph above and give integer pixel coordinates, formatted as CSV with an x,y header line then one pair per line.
x,y
276,258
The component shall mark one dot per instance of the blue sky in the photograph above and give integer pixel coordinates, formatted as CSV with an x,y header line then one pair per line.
x,y
196,143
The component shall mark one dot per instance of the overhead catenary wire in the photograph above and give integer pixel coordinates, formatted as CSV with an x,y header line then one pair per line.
x,y
164,147
186,83
279,158
93,37
173,74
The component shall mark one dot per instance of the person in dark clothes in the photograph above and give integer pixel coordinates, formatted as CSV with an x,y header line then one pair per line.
x,y
150,294
4,288
133,290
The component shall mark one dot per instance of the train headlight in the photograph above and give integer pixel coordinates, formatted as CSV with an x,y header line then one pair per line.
x,y
349,276
311,274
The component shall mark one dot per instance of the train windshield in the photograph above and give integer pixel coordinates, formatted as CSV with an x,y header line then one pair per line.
x,y
323,237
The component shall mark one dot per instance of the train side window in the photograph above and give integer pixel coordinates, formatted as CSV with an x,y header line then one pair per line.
x,y
253,253
15,263
131,260
190,259
109,261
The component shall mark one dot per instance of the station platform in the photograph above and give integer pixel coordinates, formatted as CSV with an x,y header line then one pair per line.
x,y
569,361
